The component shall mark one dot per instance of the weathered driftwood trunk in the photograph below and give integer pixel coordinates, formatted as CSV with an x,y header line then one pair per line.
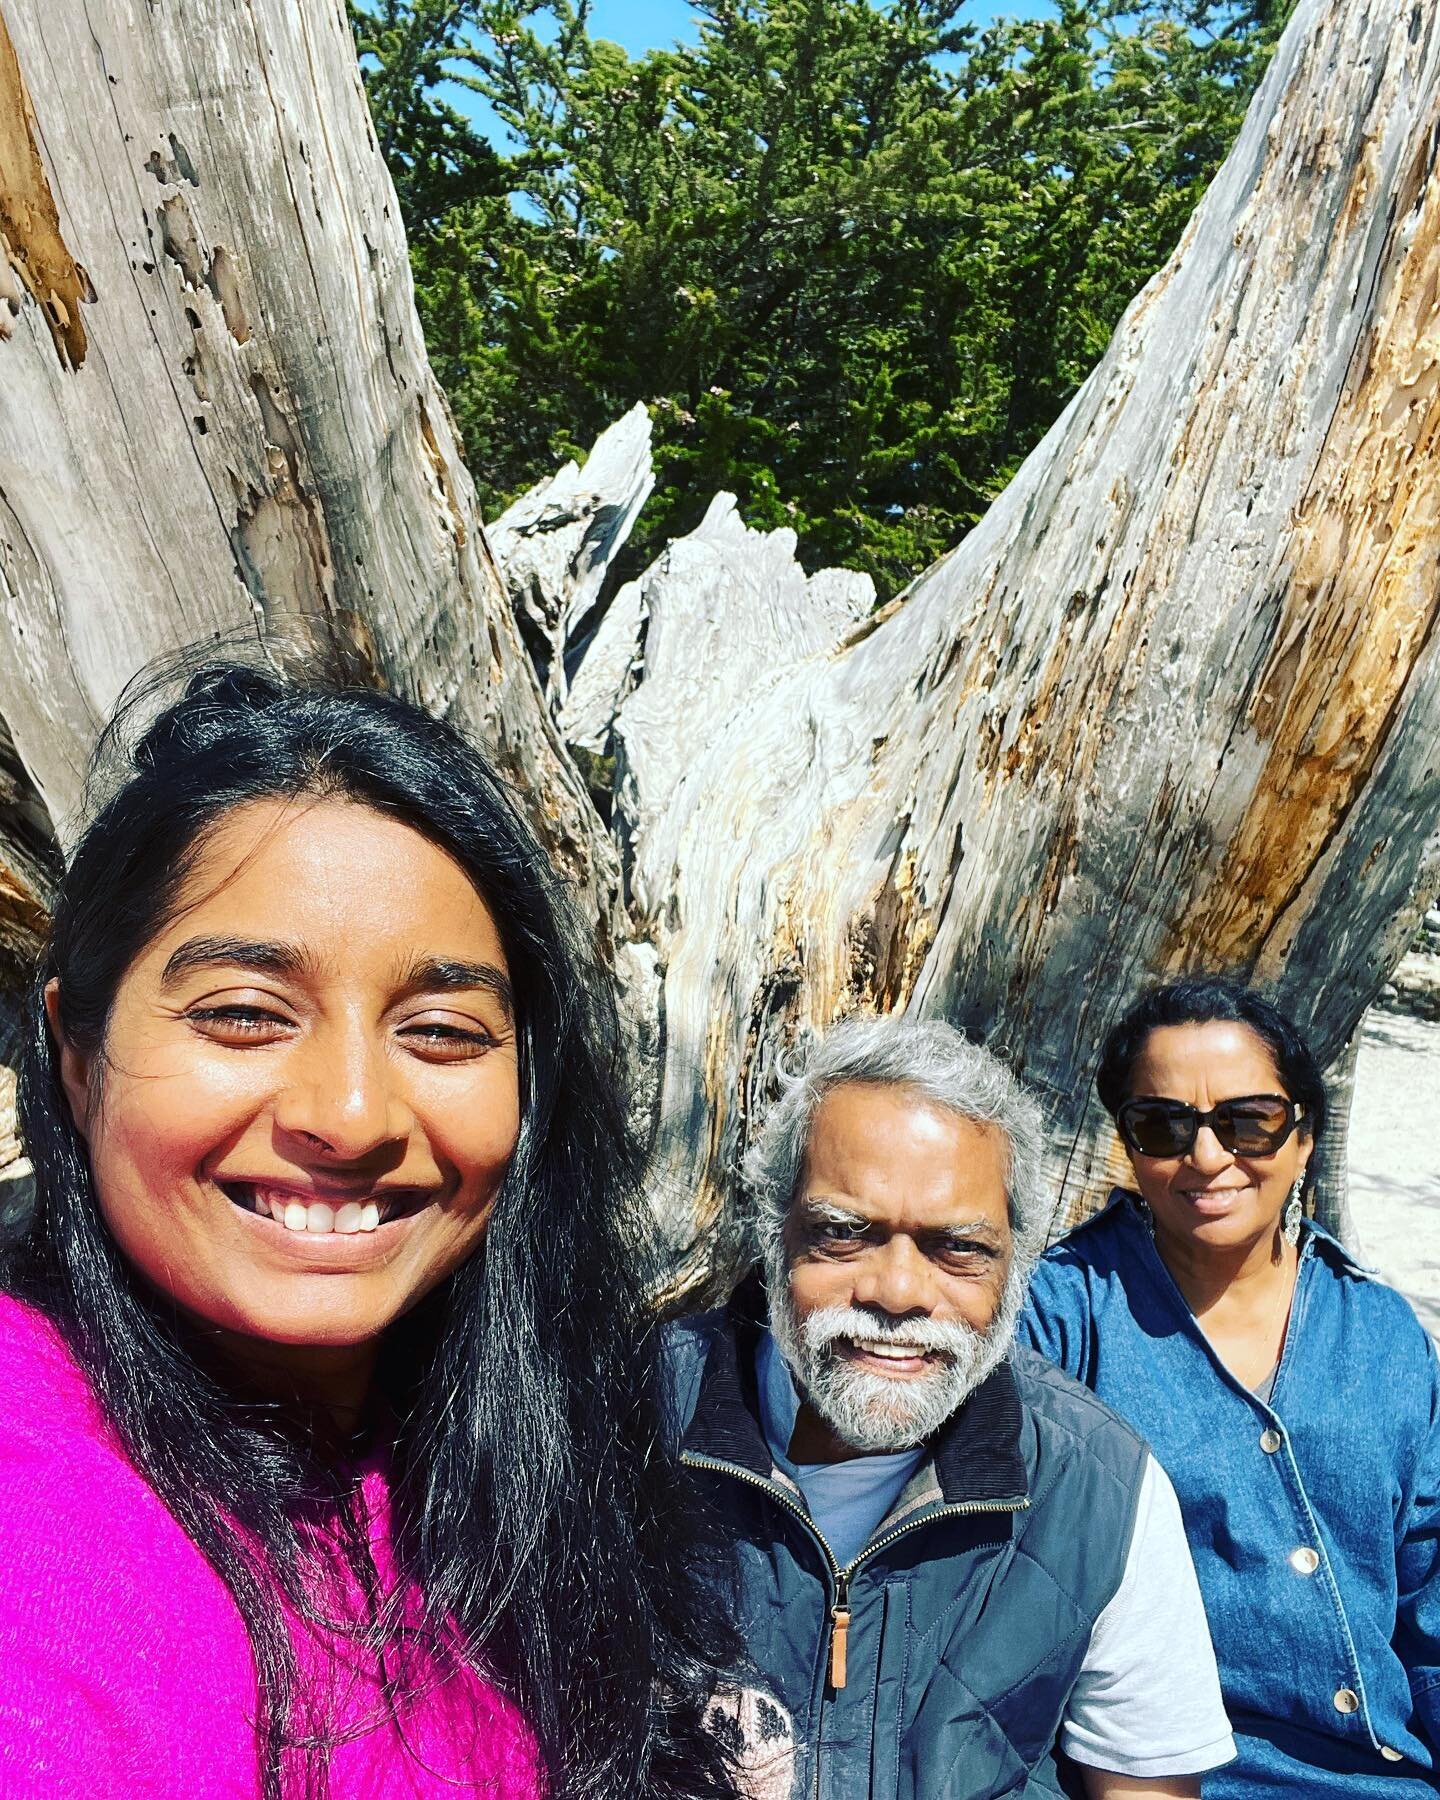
x,y
216,415
1174,702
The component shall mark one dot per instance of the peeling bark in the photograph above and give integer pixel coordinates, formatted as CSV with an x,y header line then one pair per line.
x,y
30,237
254,439
1172,704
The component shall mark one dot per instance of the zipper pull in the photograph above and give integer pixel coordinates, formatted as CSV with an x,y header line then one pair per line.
x,y
839,1628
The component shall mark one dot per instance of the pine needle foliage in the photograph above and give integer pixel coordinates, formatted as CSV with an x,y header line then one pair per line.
x,y
855,257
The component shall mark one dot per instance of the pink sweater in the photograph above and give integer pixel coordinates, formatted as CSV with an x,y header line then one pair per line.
x,y
124,1665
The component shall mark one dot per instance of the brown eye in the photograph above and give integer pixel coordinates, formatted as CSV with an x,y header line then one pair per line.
x,y
237,1022
834,1235
965,1259
446,1040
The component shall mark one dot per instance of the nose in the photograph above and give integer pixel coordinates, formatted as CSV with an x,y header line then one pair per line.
x,y
1208,1154
343,1094
894,1278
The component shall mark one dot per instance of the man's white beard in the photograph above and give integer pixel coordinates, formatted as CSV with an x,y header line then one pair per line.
x,y
878,1413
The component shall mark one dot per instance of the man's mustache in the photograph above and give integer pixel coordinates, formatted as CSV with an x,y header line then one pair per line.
x,y
945,1337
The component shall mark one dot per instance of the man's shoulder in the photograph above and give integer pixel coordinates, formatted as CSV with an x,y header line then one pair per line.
x,y
1071,1420
694,1328
685,1347
1086,1469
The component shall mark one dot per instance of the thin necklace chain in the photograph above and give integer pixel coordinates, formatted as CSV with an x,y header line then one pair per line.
x,y
1288,1282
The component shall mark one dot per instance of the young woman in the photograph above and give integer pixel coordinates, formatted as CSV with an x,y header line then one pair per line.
x,y
327,1400
1292,1398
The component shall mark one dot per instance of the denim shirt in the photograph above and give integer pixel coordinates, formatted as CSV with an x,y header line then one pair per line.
x,y
1314,1519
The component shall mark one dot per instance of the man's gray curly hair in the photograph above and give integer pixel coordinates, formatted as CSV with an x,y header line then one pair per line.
x,y
931,1059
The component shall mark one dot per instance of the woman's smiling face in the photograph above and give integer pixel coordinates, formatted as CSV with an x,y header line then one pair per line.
x,y
320,1036
1213,1197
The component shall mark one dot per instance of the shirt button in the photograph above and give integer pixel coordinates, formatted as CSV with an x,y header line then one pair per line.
x,y
1346,1700
1304,1561
1390,1755
1269,1440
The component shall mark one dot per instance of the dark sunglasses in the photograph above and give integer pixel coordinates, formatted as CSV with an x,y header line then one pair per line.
x,y
1252,1125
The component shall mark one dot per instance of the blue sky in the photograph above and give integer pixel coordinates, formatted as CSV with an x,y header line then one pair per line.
x,y
651,24
641,25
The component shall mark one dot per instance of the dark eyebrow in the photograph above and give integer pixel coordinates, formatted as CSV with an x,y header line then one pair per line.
x,y
444,975
245,953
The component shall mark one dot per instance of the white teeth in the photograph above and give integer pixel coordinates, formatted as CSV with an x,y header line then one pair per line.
x,y
895,1352
319,1217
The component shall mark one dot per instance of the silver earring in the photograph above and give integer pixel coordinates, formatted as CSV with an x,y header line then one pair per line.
x,y
1290,1218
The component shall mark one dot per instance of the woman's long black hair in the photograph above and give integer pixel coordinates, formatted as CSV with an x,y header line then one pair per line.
x,y
532,1502
1206,1000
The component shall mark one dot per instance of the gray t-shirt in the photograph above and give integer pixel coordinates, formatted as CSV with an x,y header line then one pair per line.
x,y
1146,1702
847,1500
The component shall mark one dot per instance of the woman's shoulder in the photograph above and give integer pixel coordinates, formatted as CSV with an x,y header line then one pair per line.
x,y
1076,1283
1081,1282
113,1629
54,1439
46,1405
101,1525
26,1331
1097,1247
1379,1310
38,1376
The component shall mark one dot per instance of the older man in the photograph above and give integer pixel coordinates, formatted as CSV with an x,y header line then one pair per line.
x,y
958,1574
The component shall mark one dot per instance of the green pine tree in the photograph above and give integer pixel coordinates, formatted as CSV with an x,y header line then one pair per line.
x,y
856,258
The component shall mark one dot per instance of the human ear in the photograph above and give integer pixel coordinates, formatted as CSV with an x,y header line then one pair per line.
x,y
74,1068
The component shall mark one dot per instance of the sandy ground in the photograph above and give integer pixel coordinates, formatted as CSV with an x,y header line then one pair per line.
x,y
1395,1156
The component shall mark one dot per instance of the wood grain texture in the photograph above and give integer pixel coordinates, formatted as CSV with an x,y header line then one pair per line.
x,y
31,243
254,437
1174,702
556,543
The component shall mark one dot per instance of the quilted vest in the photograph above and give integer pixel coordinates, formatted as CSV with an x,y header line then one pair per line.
x,y
969,1612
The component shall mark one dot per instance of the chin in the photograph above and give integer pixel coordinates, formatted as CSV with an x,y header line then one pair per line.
x,y
1227,1232
337,1322
300,1336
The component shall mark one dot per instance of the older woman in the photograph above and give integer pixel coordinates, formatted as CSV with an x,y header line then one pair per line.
x,y
1292,1398
326,1436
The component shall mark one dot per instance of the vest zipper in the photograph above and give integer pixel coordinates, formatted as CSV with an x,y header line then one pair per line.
x,y
842,1577
839,1630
